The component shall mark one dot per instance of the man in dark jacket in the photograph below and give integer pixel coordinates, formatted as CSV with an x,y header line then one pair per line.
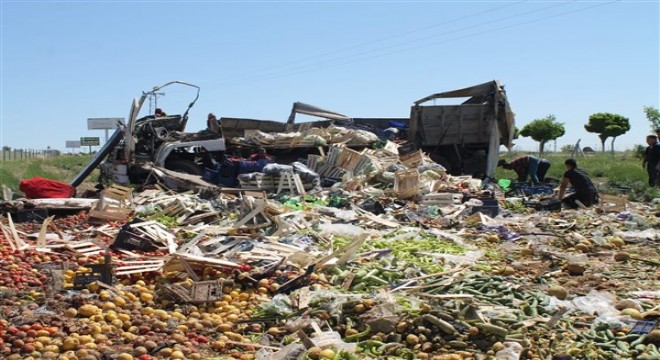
x,y
527,167
652,159
585,194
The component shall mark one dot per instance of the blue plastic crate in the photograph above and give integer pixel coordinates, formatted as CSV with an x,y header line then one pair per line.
x,y
211,175
531,190
643,327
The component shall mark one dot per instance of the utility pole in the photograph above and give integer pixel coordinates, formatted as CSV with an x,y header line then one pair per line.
x,y
153,100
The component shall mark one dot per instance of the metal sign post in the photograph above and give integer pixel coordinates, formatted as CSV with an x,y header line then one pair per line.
x,y
103,124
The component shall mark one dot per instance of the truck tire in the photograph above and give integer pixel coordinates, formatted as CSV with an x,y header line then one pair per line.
x,y
184,166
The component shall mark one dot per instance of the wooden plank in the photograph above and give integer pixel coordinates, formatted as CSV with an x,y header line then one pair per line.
x,y
20,244
259,207
345,251
6,234
41,240
208,261
189,269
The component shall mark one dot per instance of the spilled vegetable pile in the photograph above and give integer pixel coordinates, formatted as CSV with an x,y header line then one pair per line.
x,y
326,284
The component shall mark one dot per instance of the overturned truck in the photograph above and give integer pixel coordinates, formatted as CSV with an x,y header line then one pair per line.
x,y
152,140
464,138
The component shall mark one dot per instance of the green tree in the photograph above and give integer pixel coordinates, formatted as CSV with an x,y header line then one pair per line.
x,y
543,130
653,115
516,133
607,125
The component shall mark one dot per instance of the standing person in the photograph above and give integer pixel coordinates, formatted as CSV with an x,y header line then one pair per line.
x,y
652,159
213,123
527,167
585,193
159,112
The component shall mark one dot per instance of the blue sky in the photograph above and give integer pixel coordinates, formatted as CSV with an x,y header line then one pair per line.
x,y
62,62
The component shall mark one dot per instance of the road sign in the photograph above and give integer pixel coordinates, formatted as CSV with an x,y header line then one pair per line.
x,y
103,123
72,144
90,141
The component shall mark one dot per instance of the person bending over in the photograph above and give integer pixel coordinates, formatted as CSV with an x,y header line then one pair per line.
x,y
585,193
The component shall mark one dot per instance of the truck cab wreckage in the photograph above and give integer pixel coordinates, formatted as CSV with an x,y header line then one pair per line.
x,y
155,141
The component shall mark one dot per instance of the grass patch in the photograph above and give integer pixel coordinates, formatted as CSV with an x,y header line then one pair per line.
x,y
61,168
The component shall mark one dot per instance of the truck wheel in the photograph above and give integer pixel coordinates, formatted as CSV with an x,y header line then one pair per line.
x,y
184,166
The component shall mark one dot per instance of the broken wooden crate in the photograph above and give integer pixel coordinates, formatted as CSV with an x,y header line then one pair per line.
x,y
406,184
200,292
269,182
115,204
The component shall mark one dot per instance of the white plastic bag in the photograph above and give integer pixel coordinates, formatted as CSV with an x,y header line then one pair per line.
x,y
599,303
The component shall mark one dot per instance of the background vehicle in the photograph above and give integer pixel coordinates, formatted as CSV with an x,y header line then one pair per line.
x,y
155,141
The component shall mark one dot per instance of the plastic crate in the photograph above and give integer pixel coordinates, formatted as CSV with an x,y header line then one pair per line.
x,y
545,205
643,327
211,175
128,240
100,272
524,189
30,215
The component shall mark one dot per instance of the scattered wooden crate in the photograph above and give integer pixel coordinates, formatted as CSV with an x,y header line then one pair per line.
x,y
268,182
114,204
406,184
413,159
84,248
442,199
200,292
612,203
138,266
292,183
253,206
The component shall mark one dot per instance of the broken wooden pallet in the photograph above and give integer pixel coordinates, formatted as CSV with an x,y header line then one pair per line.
x,y
292,183
442,199
254,204
139,266
85,248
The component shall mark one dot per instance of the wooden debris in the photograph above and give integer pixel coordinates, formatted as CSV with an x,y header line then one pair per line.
x,y
134,267
254,203
84,248
406,184
345,253
292,183
41,240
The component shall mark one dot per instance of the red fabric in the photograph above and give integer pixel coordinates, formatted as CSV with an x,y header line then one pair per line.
x,y
40,188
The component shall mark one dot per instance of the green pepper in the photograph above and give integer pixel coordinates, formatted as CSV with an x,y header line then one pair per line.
x,y
358,336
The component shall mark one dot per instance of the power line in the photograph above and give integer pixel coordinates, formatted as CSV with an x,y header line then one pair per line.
x,y
298,71
399,44
360,45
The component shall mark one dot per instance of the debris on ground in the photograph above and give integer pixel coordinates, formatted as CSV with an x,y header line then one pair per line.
x,y
396,259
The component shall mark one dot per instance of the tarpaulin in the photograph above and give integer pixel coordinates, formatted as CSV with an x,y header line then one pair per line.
x,y
40,188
